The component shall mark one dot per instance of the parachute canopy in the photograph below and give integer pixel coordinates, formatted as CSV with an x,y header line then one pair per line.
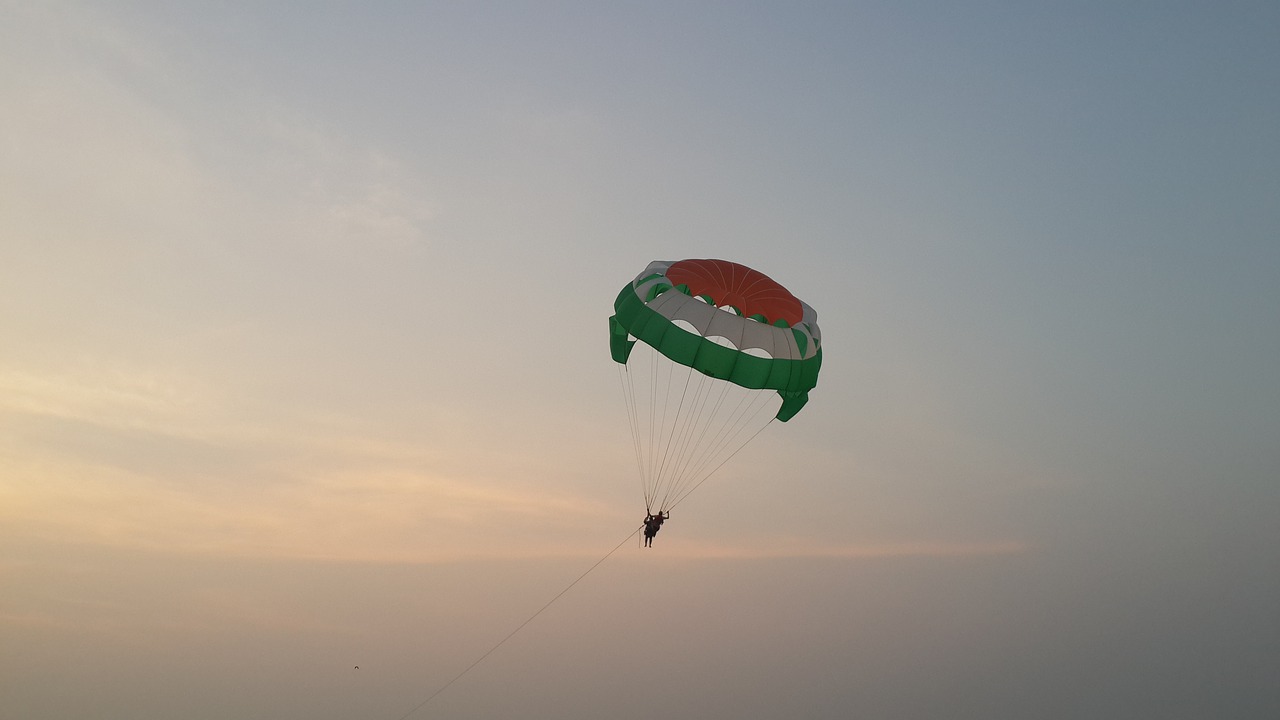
x,y
725,321
721,343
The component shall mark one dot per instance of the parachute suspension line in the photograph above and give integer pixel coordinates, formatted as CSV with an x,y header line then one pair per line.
x,y
744,416
685,424
633,417
680,420
728,439
693,419
725,424
647,392
511,634
653,478
676,442
720,465
659,391
696,449
643,400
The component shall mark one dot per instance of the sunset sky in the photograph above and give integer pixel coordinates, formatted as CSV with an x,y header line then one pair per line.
x,y
304,359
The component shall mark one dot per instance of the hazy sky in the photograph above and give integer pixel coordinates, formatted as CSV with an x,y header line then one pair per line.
x,y
304,359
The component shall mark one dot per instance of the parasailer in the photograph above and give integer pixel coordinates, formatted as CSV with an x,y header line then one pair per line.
x,y
710,352
652,524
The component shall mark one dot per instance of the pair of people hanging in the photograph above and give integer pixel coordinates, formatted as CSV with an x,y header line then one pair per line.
x,y
652,524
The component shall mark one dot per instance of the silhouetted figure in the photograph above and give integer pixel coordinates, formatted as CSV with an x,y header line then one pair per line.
x,y
652,524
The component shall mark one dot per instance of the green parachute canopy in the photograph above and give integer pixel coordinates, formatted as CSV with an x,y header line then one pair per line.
x,y
721,344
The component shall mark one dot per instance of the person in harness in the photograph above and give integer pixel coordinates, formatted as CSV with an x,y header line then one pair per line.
x,y
652,524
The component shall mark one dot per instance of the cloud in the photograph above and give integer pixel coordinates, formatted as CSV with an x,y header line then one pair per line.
x,y
769,547
135,461
341,191
411,518
133,406
142,399
116,142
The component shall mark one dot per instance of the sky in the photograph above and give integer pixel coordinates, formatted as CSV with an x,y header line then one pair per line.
x,y
304,361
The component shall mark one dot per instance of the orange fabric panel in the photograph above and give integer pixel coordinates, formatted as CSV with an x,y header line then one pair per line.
x,y
728,283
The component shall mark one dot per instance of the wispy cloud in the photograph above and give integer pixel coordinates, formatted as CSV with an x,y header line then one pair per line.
x,y
86,462
108,122
816,548
96,392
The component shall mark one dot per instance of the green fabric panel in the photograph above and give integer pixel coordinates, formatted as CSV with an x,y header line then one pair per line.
x,y
802,340
791,378
751,371
677,344
791,405
619,345
710,359
780,376
657,290
809,371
